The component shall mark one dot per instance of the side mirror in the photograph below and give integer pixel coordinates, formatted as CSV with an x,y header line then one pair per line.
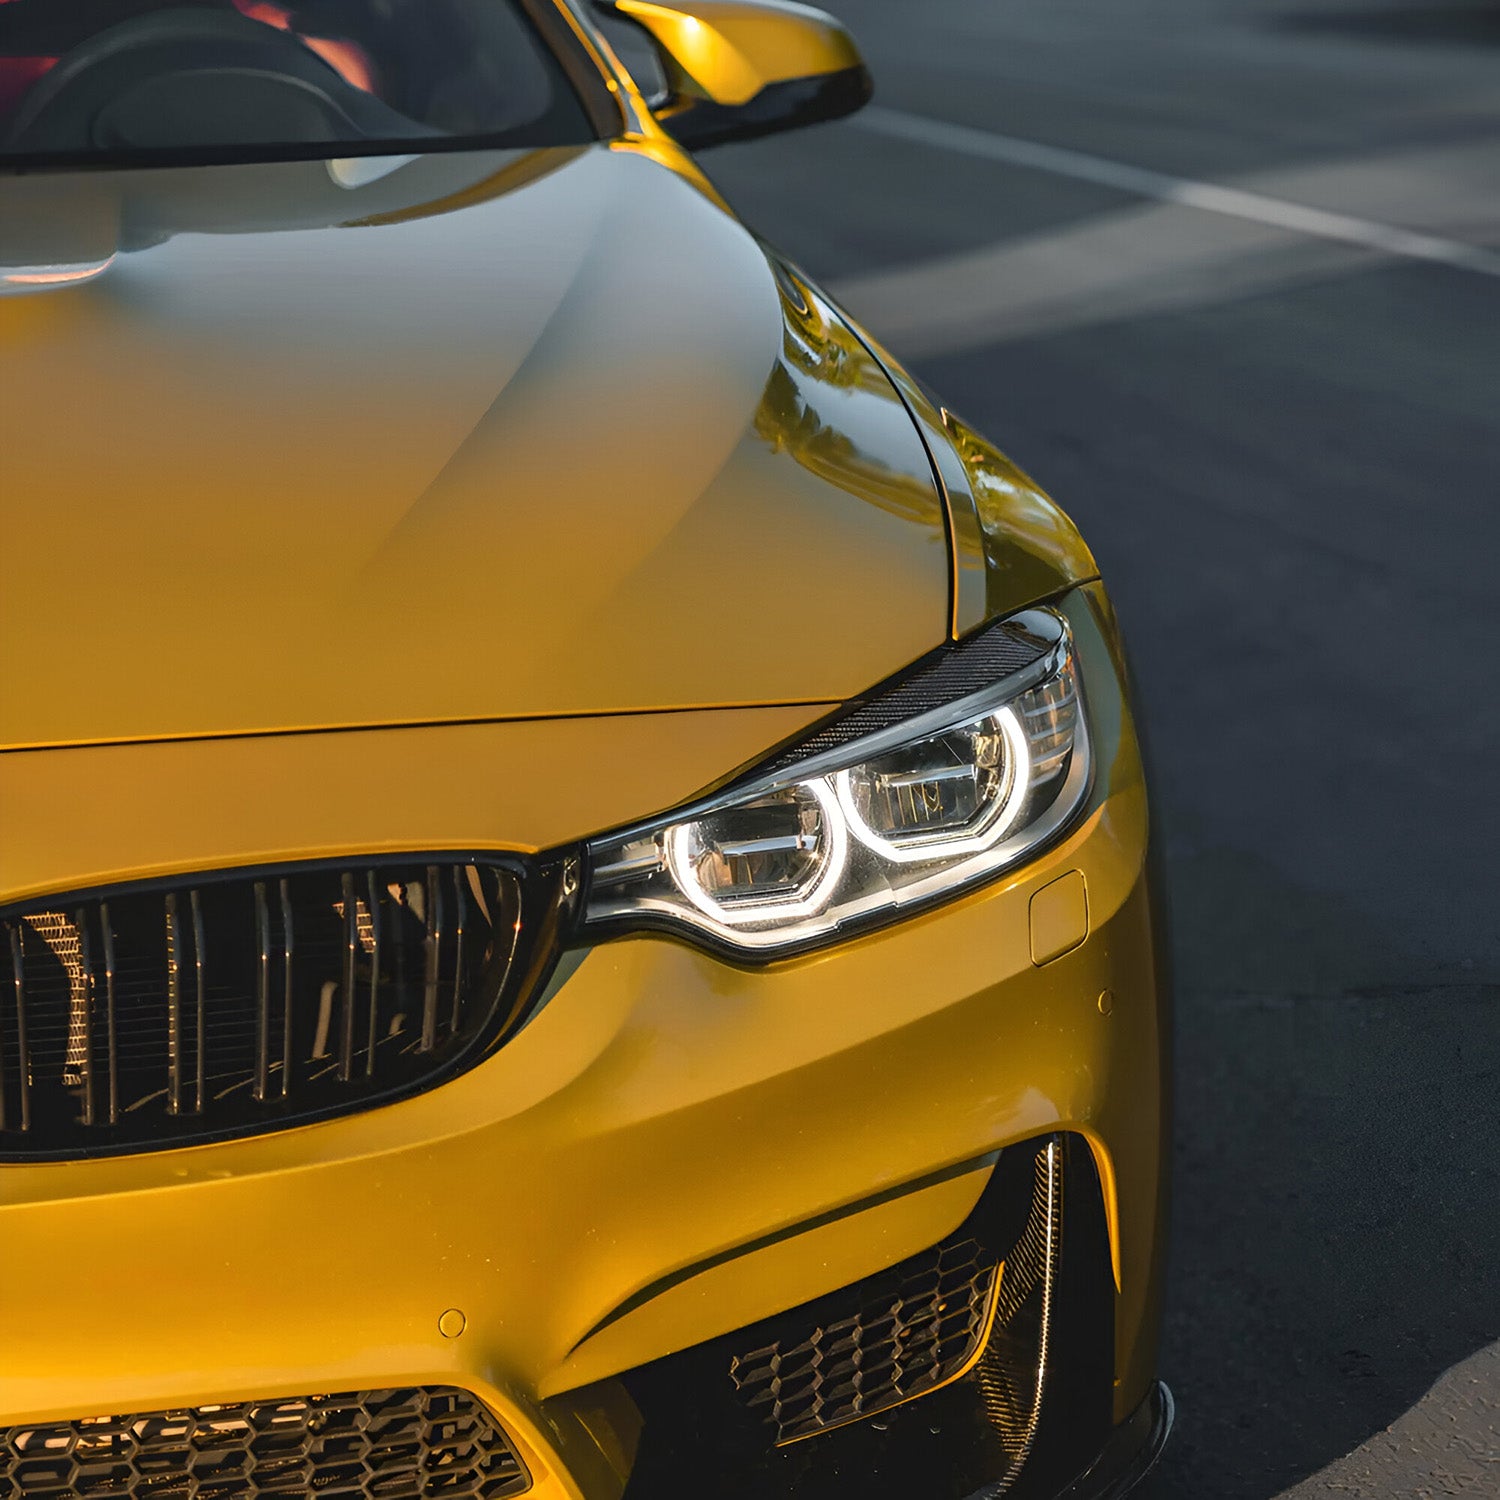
x,y
730,70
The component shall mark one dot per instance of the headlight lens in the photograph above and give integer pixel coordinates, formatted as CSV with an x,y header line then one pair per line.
x,y
891,819
776,857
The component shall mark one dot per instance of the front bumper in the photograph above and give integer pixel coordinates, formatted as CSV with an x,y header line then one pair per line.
x,y
672,1150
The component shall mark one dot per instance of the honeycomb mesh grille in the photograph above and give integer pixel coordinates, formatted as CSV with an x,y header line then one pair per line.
x,y
920,1326
915,1329
366,1445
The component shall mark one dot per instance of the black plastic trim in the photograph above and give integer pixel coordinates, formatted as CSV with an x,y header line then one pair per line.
x,y
699,124
589,75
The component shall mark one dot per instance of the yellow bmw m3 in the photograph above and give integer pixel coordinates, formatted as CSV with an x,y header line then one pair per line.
x,y
576,903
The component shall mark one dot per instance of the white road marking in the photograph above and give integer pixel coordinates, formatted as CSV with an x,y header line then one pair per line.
x,y
1235,203
1142,261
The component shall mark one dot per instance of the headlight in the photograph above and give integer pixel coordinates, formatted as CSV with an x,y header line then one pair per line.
x,y
959,770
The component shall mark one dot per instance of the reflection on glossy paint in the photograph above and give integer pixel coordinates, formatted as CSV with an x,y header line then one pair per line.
x,y
348,59
42,278
823,372
1029,543
519,171
551,386
359,171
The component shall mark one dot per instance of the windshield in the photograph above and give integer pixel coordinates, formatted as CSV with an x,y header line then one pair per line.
x,y
246,79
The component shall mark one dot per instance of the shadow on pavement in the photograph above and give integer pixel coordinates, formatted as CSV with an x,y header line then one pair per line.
x,y
1337,1204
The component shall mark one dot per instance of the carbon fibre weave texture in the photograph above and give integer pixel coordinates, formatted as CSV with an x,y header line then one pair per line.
x,y
967,667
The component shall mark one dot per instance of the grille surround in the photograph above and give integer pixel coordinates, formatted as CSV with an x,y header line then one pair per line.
x,y
360,1445
163,1013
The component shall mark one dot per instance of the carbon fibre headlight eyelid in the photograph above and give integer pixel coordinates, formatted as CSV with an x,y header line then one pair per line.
x,y
1008,652
957,771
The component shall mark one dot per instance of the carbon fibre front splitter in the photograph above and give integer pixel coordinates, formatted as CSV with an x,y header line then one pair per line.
x,y
1125,1460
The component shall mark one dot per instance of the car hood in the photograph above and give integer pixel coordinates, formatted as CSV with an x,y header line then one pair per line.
x,y
456,438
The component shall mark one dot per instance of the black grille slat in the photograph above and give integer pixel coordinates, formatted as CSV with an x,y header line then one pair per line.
x,y
262,992
174,1006
4,1111
372,1020
430,960
200,1003
286,989
23,1053
400,935
351,989
460,913
233,1003
361,1445
84,1012
112,1050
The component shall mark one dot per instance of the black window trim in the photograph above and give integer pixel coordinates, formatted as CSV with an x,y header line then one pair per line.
x,y
589,75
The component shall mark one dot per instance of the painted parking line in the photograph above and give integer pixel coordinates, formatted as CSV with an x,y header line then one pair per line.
x,y
1235,203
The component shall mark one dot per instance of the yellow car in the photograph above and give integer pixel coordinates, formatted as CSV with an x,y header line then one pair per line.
x,y
576,905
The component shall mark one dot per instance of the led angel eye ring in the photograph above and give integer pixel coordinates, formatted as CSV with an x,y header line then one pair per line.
x,y
990,834
813,898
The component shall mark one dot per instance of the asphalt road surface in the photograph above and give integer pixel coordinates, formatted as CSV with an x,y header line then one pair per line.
x,y
1225,276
